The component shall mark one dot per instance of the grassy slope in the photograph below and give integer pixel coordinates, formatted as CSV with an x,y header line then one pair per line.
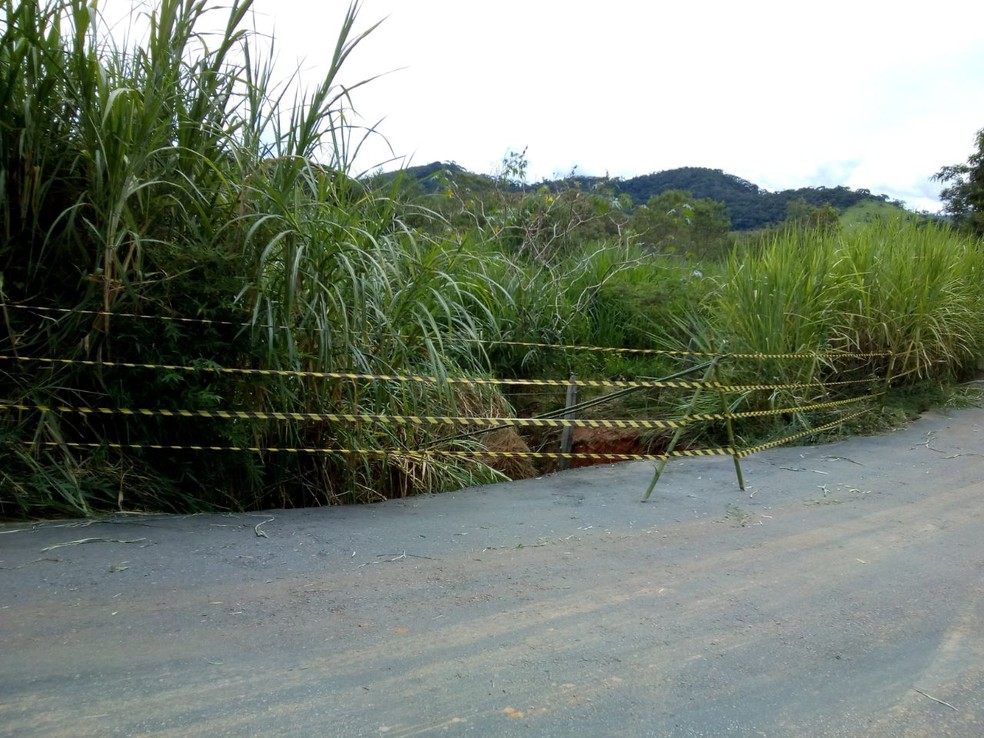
x,y
871,211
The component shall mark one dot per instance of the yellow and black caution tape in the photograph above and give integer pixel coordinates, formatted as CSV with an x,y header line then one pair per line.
x,y
803,385
385,453
141,316
596,349
460,454
796,436
775,411
503,422
492,342
817,355
425,379
680,353
356,417
422,379
830,354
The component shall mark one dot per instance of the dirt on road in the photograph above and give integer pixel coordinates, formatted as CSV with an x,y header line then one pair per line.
x,y
840,595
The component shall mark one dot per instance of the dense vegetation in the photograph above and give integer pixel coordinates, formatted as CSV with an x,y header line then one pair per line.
x,y
170,214
748,206
964,191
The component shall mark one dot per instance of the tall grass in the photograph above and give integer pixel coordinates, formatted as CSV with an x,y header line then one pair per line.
x,y
777,300
912,290
896,287
902,294
599,294
174,178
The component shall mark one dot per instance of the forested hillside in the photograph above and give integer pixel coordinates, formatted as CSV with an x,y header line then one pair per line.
x,y
748,206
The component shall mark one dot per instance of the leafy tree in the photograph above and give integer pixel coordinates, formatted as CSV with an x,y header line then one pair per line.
x,y
677,222
801,215
536,222
964,195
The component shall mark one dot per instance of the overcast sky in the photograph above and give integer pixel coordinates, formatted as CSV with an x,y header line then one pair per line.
x,y
864,93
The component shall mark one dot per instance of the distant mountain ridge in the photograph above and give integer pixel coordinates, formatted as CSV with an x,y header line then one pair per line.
x,y
749,206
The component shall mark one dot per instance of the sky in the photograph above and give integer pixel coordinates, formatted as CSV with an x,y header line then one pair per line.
x,y
863,93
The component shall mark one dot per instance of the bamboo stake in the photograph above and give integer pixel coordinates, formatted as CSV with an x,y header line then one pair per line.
x,y
711,370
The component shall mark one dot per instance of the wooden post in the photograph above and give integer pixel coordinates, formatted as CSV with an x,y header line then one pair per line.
x,y
567,434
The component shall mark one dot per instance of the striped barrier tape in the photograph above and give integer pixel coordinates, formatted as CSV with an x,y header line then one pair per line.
x,y
424,379
385,453
697,354
776,411
796,436
108,314
504,422
528,344
356,418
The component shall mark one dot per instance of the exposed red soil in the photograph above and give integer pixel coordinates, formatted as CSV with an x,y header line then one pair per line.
x,y
605,441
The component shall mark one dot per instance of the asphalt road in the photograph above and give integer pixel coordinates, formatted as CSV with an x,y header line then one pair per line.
x,y
841,595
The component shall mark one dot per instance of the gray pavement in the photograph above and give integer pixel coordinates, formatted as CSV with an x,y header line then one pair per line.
x,y
841,595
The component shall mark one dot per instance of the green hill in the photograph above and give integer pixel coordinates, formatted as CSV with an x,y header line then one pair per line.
x,y
749,206
869,211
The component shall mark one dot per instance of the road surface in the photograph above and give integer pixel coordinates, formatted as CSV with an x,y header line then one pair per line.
x,y
840,595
